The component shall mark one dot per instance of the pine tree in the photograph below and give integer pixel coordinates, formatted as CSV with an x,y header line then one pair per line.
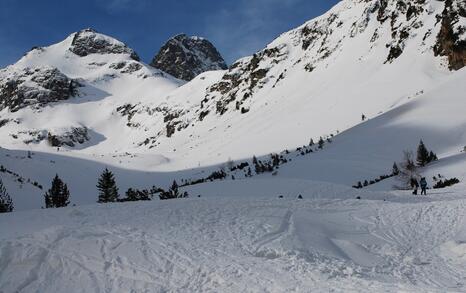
x,y
321,142
108,191
311,143
254,160
395,169
58,195
422,154
137,195
6,203
173,192
432,157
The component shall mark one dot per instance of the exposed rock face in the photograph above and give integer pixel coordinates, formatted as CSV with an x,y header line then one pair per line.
x,y
37,86
88,42
76,135
451,40
186,57
243,78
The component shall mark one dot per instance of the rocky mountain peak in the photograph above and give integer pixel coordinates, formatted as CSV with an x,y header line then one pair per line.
x,y
186,57
22,87
89,41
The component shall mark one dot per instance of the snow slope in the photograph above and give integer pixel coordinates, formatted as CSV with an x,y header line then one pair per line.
x,y
239,236
109,80
223,244
313,81
128,114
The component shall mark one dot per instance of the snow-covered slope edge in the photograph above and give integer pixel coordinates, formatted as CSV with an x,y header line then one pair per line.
x,y
361,57
238,245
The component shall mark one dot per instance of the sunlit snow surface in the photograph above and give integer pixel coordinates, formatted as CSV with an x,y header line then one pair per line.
x,y
238,236
242,244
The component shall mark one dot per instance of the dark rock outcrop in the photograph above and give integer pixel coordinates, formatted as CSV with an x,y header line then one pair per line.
x,y
186,57
88,42
37,86
449,43
76,135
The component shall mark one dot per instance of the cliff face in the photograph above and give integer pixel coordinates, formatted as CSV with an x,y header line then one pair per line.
x,y
186,57
88,41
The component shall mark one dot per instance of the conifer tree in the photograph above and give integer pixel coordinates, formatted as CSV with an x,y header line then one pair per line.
x,y
137,195
6,203
108,191
395,169
173,192
321,142
422,154
174,189
58,195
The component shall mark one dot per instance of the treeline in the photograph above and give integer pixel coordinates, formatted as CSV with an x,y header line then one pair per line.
x,y
408,169
59,195
20,178
256,166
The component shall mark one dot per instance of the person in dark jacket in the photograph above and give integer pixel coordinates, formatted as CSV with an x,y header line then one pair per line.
x,y
415,185
423,186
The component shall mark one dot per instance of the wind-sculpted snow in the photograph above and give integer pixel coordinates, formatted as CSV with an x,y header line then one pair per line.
x,y
237,245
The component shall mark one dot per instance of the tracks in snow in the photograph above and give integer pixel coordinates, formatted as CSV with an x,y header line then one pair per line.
x,y
239,246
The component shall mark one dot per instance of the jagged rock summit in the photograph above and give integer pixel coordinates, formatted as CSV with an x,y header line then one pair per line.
x,y
89,41
186,57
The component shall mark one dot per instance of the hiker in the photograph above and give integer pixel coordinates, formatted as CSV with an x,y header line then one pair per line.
x,y
415,185
423,185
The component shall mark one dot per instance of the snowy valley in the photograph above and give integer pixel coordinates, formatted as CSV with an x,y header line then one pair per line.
x,y
287,157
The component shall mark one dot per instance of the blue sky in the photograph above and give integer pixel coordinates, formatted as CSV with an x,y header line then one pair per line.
x,y
236,27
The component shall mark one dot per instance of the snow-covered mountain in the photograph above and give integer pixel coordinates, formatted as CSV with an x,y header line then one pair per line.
x,y
393,61
186,57
285,220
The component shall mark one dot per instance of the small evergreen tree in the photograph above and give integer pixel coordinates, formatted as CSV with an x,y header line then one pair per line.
x,y
422,155
395,169
254,160
58,195
311,143
321,142
432,157
6,203
173,192
108,191
137,195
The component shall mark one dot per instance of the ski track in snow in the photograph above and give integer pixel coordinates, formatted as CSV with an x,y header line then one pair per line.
x,y
236,245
